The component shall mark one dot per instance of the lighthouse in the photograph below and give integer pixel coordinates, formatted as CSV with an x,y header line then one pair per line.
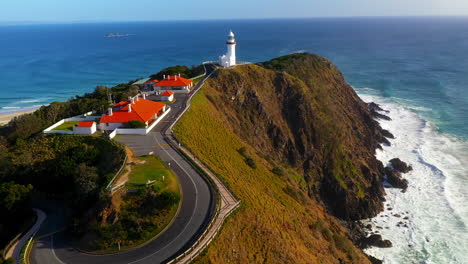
x,y
229,59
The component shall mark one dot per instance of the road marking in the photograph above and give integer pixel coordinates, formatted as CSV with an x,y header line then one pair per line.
x,y
161,145
191,217
53,251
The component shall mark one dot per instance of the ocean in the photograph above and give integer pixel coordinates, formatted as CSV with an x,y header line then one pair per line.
x,y
417,68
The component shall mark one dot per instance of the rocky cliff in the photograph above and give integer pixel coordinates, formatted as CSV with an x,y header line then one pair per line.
x,y
298,110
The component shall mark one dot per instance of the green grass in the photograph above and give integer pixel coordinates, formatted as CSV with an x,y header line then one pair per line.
x,y
67,126
169,102
196,80
150,169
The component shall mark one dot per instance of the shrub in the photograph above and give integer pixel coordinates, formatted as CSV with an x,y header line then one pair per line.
x,y
136,124
278,171
242,151
251,162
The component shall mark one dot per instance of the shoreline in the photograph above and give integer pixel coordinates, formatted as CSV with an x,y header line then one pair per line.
x,y
414,232
7,116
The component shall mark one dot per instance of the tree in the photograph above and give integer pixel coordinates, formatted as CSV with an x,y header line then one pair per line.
x,y
136,124
13,197
85,180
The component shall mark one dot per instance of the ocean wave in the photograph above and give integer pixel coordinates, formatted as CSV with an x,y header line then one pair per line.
x,y
10,107
28,101
434,204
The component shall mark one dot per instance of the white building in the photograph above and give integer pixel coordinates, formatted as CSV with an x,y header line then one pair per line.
x,y
229,59
85,128
167,96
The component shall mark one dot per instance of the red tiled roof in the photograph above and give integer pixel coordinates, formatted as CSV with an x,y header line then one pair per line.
x,y
173,81
167,93
86,123
142,110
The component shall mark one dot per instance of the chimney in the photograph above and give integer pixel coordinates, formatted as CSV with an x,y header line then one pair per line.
x,y
179,74
164,77
137,97
110,111
129,108
144,96
132,101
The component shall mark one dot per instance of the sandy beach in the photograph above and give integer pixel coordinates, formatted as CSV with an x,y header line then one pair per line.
x,y
5,118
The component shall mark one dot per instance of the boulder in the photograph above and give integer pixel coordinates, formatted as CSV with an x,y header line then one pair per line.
x,y
400,166
376,241
395,179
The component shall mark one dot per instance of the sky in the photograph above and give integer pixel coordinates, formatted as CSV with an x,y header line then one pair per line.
x,y
154,10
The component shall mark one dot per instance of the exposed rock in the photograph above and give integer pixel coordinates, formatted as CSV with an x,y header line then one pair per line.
x,y
374,260
406,218
400,166
387,134
376,241
376,110
395,179
397,215
375,107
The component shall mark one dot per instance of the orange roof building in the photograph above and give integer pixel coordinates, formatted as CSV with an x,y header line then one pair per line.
x,y
85,128
167,96
174,83
136,108
86,124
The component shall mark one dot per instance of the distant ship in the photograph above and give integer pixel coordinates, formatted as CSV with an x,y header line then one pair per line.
x,y
111,35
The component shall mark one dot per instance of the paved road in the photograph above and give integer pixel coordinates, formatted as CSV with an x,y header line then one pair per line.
x,y
196,208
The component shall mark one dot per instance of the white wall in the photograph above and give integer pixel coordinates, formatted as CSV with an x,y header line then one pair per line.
x,y
138,131
84,130
111,126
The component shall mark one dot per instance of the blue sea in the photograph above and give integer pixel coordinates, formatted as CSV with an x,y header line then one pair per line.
x,y
415,67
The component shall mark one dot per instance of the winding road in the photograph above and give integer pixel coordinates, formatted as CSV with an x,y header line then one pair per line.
x,y
197,208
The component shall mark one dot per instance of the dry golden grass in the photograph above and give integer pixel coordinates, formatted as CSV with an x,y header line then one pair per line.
x,y
277,222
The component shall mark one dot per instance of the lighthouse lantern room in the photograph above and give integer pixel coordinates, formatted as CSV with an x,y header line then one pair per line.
x,y
229,59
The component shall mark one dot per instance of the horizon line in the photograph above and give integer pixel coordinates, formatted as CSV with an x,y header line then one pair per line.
x,y
45,22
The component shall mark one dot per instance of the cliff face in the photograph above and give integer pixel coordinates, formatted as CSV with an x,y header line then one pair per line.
x,y
298,111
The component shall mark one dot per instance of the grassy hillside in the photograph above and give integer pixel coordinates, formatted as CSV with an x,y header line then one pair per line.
x,y
277,222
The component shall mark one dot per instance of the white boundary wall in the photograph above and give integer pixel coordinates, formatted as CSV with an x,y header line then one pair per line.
x,y
84,117
138,131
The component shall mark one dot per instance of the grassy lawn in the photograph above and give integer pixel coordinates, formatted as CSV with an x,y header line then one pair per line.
x,y
142,211
169,102
67,126
151,168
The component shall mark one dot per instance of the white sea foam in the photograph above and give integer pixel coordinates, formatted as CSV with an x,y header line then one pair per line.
x,y
435,202
28,101
10,107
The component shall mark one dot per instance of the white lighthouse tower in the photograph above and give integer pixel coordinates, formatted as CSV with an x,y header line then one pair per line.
x,y
229,59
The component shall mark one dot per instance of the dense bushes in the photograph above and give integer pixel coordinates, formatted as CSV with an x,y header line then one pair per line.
x,y
184,71
136,124
139,220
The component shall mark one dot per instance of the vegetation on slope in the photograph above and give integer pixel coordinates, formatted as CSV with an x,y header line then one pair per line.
x,y
74,168
184,71
277,222
137,213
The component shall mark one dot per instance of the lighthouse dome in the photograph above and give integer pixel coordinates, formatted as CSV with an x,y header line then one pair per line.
x,y
231,34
